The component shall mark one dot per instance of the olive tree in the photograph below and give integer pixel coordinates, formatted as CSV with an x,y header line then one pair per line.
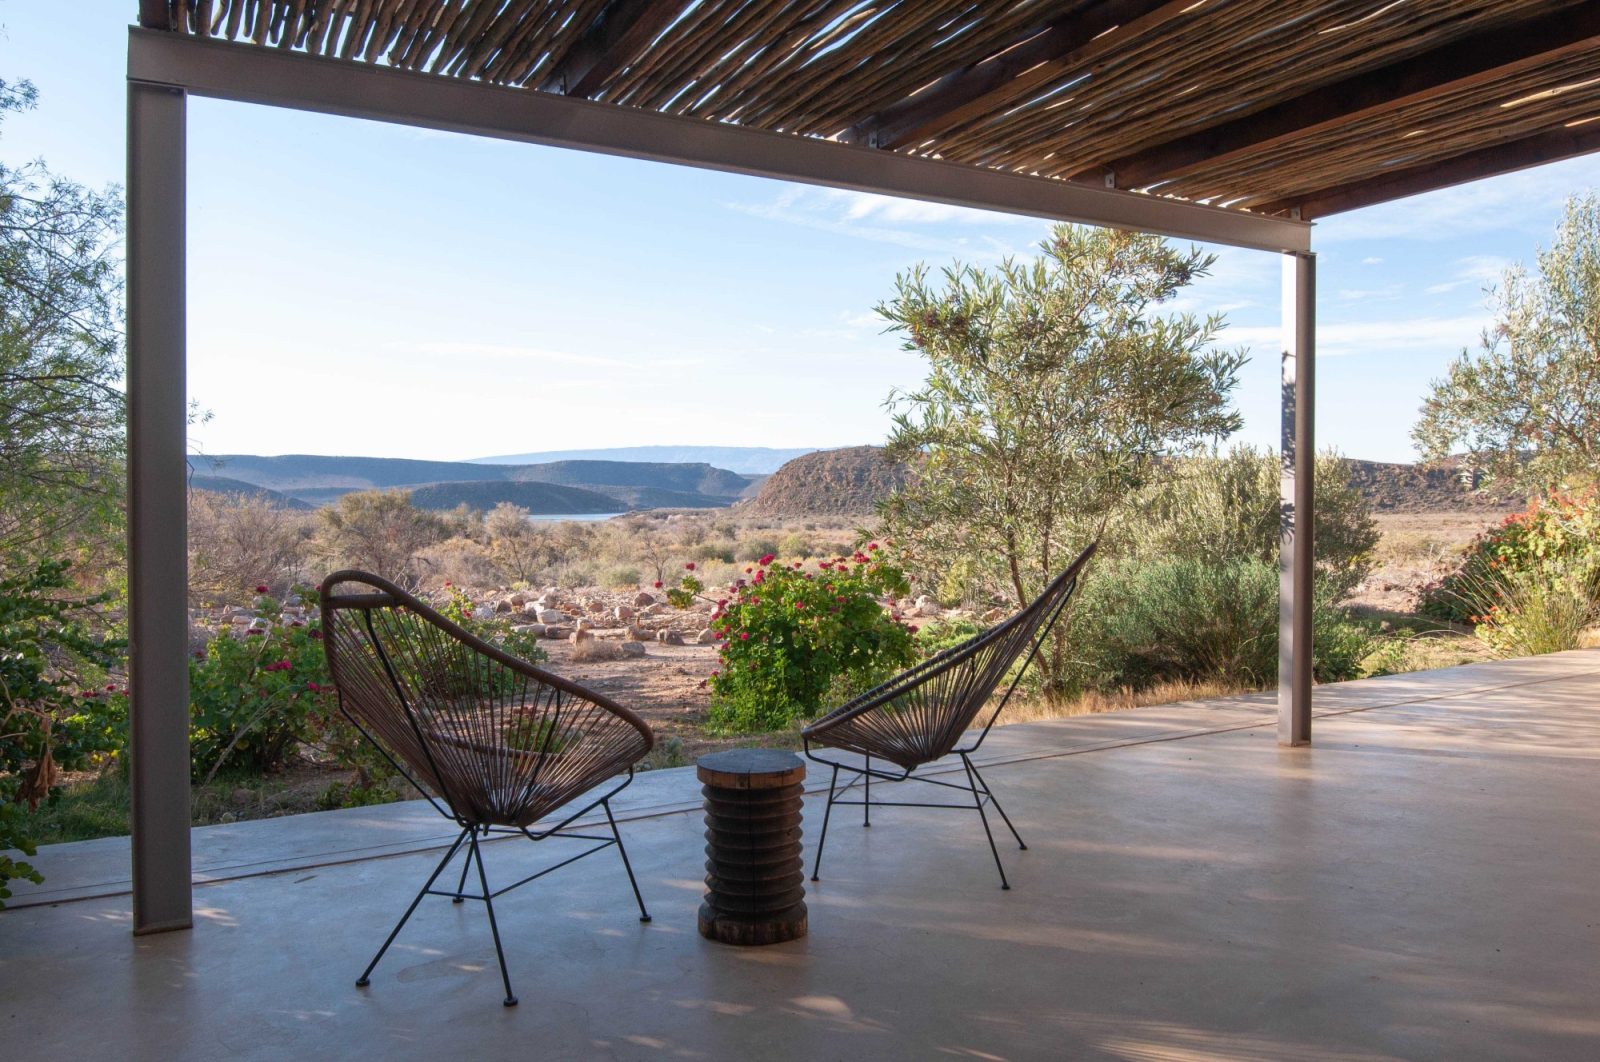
x,y
1526,407
1054,388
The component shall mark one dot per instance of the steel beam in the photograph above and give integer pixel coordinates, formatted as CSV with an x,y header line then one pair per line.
x,y
1296,506
251,74
158,618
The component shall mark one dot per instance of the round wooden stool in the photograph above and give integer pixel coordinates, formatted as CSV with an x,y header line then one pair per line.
x,y
755,885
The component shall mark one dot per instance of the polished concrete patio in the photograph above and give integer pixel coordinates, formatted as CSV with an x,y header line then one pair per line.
x,y
1419,884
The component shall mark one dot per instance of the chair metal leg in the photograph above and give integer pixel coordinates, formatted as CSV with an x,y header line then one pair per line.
x,y
494,929
996,802
461,885
977,799
866,799
644,915
362,981
816,867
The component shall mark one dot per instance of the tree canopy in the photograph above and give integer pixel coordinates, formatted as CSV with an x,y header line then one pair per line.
x,y
1526,407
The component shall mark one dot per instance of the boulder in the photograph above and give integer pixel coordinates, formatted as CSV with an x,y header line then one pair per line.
x,y
558,633
669,637
550,615
706,637
631,648
643,598
622,613
503,605
658,609
639,634
535,629
520,598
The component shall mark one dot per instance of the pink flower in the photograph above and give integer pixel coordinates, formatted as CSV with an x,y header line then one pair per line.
x,y
912,627
765,560
281,665
744,636
872,546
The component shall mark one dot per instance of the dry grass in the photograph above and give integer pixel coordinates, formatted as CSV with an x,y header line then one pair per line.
x,y
1035,709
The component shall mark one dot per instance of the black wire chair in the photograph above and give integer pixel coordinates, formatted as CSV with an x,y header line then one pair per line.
x,y
923,714
494,743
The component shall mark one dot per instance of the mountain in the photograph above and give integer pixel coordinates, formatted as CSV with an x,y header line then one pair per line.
x,y
224,485
540,499
611,486
845,482
1405,488
742,459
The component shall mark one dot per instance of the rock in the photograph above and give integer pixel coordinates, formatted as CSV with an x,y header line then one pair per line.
x,y
643,598
622,613
639,634
581,634
930,609
227,816
558,633
520,598
503,605
706,637
631,648
242,619
658,609
584,625
243,796
535,629
532,608
550,615
669,637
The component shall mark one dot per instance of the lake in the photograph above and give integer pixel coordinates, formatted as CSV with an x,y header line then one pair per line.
x,y
543,518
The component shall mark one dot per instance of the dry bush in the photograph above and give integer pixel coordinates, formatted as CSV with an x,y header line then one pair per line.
x,y
592,650
458,560
239,541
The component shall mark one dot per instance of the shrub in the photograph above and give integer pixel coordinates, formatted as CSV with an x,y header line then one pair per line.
x,y
1540,609
240,540
1554,542
253,699
1183,619
622,577
938,635
752,549
457,560
53,711
787,634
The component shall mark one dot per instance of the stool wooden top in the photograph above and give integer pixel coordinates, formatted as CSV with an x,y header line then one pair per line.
x,y
751,769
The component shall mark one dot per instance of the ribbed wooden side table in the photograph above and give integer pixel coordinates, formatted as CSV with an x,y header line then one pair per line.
x,y
755,883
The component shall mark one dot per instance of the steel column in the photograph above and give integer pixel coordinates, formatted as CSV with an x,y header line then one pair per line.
x,y
157,517
1296,507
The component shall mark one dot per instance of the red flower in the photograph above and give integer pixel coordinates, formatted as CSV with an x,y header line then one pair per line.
x,y
764,560
316,636
262,588
689,566
872,546
744,636
912,627
281,665
658,584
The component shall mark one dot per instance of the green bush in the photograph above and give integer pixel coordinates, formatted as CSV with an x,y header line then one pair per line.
x,y
1146,622
787,634
54,713
622,577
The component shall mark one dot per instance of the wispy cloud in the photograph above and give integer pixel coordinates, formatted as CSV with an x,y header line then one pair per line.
x,y
1443,335
920,226
1479,270
1384,294
465,349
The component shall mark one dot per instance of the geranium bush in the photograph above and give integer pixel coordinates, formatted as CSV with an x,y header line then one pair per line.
x,y
1532,584
789,632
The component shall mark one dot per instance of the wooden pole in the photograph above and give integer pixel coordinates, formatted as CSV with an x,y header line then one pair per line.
x,y
1295,505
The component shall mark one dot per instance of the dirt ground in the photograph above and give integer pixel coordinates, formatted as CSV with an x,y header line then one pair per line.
x,y
1416,549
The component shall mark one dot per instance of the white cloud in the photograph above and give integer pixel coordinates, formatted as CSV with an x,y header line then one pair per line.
x,y
1445,335
479,352
1479,270
884,219
1385,293
1372,260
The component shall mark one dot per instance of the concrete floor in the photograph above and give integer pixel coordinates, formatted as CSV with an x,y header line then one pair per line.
x,y
1419,884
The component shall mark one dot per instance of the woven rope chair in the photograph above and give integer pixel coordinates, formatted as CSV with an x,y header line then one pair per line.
x,y
493,742
923,714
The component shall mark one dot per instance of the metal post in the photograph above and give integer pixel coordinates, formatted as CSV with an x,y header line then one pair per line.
x,y
1295,503
157,517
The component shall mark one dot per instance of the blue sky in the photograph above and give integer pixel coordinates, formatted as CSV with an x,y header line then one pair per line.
x,y
499,298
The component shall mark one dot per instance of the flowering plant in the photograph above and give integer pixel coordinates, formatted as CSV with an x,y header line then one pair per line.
x,y
789,631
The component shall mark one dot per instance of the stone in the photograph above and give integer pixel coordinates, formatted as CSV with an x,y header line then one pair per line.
x,y
503,605
639,634
558,633
535,629
643,598
622,613
584,625
669,637
581,634
631,648
658,609
706,637
550,615
520,598
243,796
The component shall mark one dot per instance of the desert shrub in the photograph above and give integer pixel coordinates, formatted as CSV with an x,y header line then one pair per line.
x,y
1225,507
239,540
1146,622
379,531
938,635
523,550
1543,608
458,560
714,551
752,549
798,544
1554,543
574,572
54,713
787,634
621,577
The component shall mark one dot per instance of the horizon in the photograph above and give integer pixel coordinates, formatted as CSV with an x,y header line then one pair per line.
x,y
503,298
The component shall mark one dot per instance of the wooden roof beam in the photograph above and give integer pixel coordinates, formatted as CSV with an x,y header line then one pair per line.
x,y
1463,64
1476,165
156,14
985,87
620,33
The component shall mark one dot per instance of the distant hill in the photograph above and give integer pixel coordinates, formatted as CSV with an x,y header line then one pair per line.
x,y
743,459
846,482
224,485
319,479
540,499
1405,488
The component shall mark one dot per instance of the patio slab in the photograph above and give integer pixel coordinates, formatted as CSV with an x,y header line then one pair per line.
x,y
1417,884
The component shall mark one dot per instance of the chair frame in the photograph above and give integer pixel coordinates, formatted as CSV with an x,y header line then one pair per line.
x,y
1044,611
474,832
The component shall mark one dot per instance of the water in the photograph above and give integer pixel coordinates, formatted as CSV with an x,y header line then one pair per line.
x,y
584,517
